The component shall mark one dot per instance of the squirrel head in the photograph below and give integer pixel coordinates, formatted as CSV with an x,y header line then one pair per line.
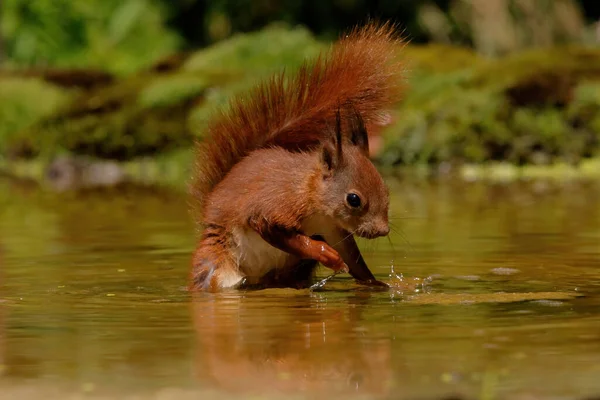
x,y
354,193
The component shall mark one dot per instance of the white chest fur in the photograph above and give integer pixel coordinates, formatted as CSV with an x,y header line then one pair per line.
x,y
255,256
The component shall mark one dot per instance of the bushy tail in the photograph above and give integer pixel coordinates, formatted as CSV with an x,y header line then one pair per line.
x,y
361,69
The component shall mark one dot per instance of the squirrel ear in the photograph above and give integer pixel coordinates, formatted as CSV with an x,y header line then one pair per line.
x,y
332,154
328,157
358,131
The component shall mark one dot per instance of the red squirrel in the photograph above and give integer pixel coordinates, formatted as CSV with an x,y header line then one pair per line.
x,y
283,179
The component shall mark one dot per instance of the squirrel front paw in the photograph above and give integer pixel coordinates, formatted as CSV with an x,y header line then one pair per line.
x,y
330,258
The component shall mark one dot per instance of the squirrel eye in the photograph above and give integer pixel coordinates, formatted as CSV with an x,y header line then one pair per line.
x,y
353,200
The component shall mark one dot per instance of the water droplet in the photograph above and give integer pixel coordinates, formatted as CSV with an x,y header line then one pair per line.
x,y
549,303
469,277
505,271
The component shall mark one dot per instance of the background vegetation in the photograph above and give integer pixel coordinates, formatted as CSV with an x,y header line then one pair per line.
x,y
490,80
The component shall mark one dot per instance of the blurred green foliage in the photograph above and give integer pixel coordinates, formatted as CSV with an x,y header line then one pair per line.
x,y
258,52
157,111
534,107
116,35
137,116
124,35
238,63
24,101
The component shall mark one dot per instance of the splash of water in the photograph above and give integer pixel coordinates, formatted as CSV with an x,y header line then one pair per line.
x,y
322,282
397,282
401,284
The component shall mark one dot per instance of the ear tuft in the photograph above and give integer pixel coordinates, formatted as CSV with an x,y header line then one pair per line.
x,y
338,134
332,151
358,131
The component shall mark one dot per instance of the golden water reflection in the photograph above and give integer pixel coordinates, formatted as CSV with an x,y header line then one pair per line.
x,y
92,302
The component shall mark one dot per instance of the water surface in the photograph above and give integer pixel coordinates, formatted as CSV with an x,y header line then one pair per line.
x,y
498,298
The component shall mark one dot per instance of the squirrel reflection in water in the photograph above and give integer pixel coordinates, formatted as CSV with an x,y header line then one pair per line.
x,y
316,349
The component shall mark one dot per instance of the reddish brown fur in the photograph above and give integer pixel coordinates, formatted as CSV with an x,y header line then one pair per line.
x,y
293,112
286,175
278,167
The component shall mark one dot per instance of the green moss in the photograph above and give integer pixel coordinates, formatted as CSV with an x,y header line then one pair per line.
x,y
142,115
150,113
584,113
560,63
506,172
426,58
235,65
535,107
24,101
172,89
501,297
257,53
449,126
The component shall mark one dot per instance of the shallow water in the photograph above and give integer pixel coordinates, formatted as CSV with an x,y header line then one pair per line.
x,y
496,295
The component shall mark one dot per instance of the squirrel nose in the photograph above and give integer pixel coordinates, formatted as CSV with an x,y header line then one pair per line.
x,y
374,230
384,230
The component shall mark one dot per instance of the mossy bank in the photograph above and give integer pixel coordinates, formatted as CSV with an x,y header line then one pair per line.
x,y
535,108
